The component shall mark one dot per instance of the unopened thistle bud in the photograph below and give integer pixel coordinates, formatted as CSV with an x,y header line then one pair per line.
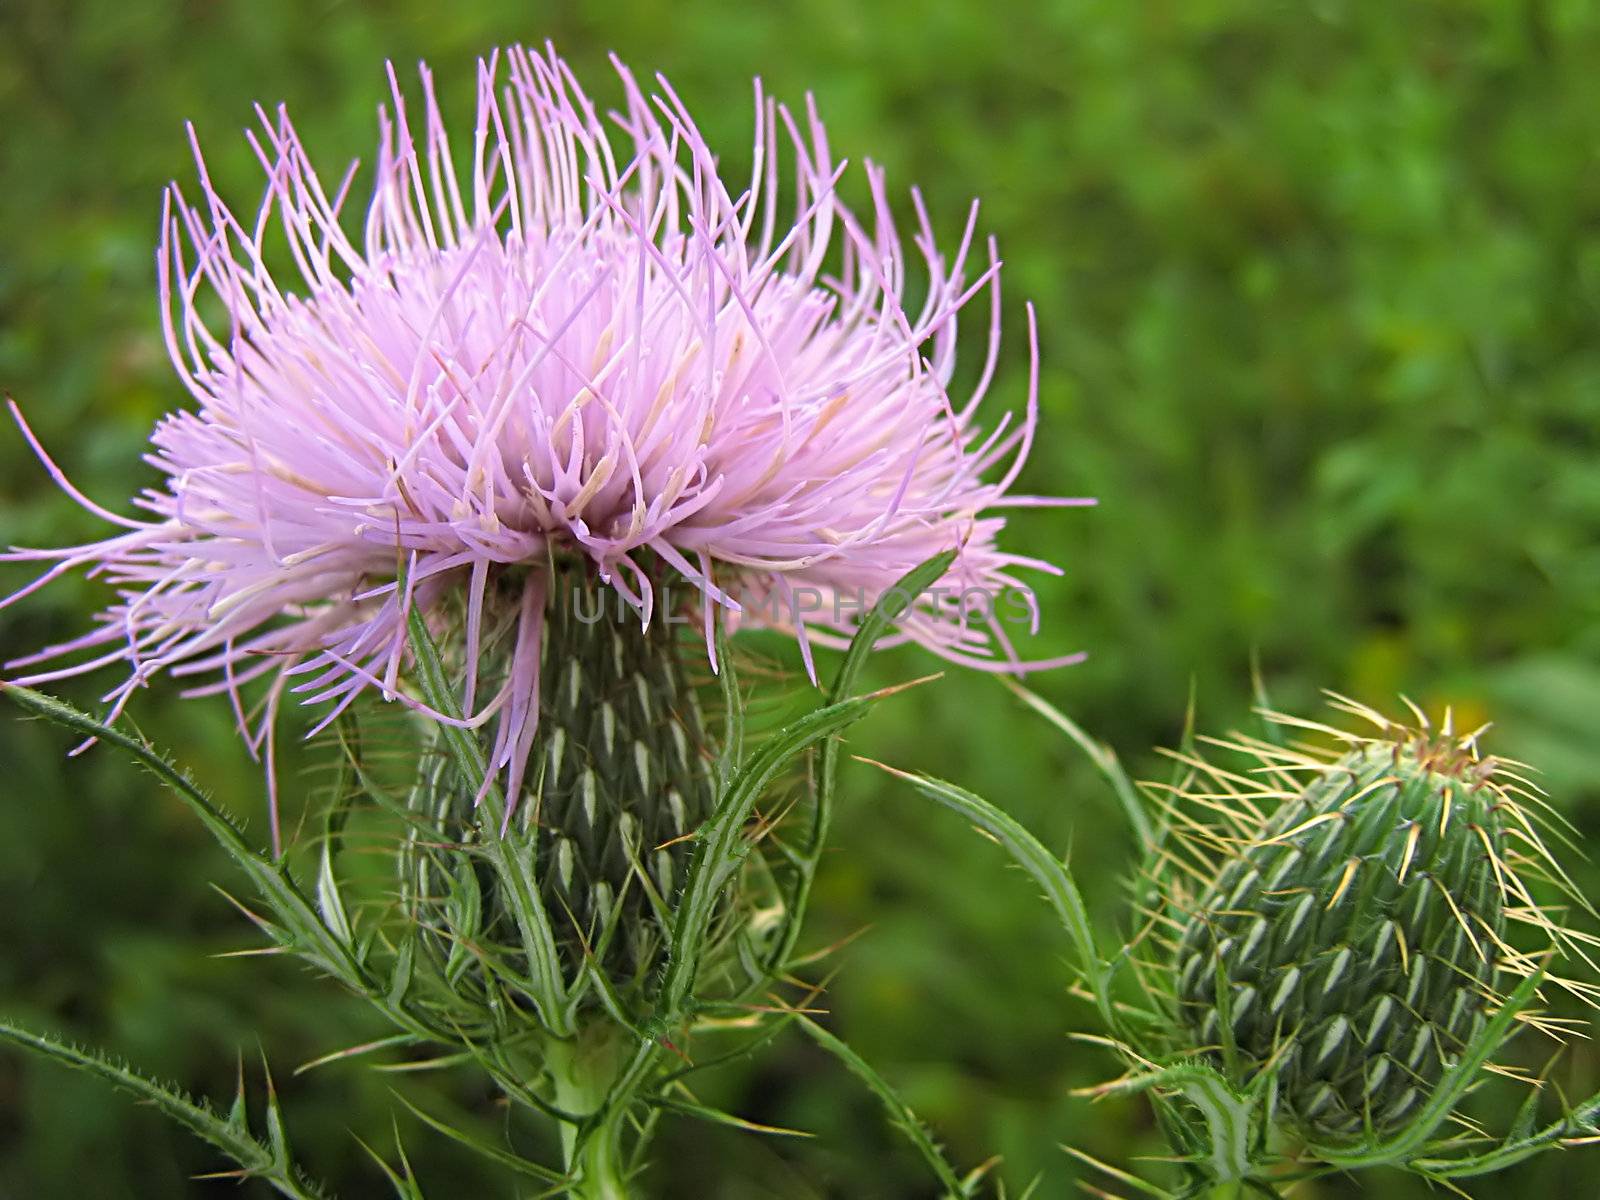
x,y
1347,936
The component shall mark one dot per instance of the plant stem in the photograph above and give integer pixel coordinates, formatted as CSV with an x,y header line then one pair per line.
x,y
583,1070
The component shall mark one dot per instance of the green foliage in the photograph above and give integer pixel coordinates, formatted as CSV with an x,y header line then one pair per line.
x,y
1048,870
268,1161
900,1115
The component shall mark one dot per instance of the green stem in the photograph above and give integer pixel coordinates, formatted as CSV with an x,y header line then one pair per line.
x,y
583,1071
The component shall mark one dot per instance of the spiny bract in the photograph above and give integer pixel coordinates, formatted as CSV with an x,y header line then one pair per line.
x,y
1349,943
624,778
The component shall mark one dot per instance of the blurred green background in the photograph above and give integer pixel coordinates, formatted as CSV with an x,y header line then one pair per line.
x,y
1318,289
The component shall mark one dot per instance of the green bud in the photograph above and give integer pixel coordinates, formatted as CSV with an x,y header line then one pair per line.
x,y
1347,944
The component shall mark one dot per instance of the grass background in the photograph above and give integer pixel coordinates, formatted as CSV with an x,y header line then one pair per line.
x,y
1318,289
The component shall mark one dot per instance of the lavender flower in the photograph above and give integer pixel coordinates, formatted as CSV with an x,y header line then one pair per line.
x,y
594,351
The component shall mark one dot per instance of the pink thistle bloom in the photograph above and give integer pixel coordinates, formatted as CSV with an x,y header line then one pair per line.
x,y
595,349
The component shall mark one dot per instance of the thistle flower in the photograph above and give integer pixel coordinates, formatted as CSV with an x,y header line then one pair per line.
x,y
1347,920
590,361
582,370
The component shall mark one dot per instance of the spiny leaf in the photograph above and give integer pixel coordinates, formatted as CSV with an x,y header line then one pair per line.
x,y
1121,1176
238,1114
767,1032
497,1154
330,903
309,935
1229,1115
1101,755
405,1185
400,976
277,1137
717,1117
731,757
720,845
267,1162
511,862
394,1041
1060,889
889,608
1582,1121
900,1114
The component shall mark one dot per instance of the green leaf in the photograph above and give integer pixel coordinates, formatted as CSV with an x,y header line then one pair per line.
x,y
404,1182
1143,1186
1060,889
238,1113
400,978
1582,1121
512,861
277,1136
889,608
731,756
766,1033
496,1154
720,847
900,1114
267,1162
1102,756
716,1116
464,914
1229,1115
329,901
307,933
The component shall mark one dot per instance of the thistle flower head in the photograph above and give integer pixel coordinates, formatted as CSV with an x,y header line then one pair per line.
x,y
1346,915
562,339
